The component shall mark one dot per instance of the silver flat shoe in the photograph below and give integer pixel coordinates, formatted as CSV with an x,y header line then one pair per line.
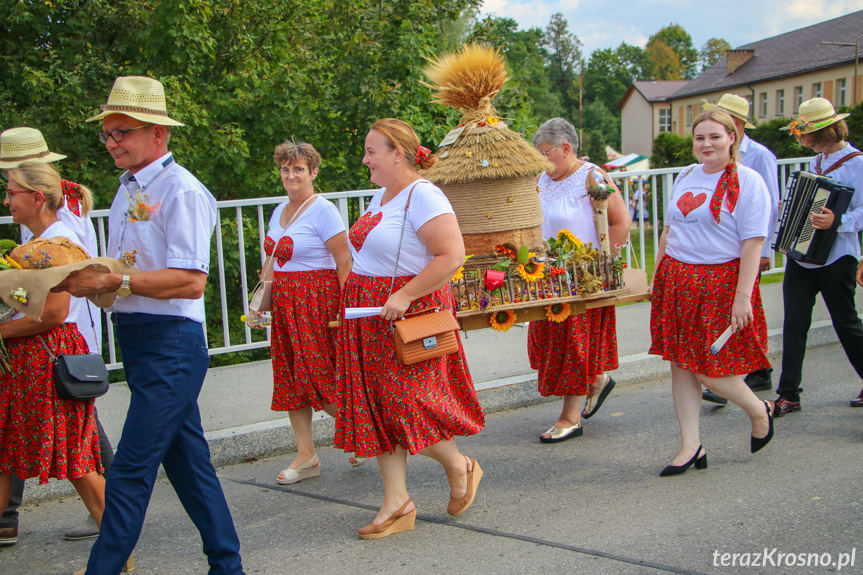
x,y
559,434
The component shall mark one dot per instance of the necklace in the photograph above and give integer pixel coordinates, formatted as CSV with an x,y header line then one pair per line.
x,y
566,174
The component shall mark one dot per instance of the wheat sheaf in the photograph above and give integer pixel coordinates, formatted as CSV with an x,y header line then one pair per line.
x,y
462,79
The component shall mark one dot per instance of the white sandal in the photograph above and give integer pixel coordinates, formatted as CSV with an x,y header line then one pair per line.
x,y
305,471
356,461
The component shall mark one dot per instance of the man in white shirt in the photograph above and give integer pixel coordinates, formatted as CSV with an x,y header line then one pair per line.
x,y
762,160
161,221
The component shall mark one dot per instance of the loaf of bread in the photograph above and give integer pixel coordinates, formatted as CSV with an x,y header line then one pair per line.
x,y
41,253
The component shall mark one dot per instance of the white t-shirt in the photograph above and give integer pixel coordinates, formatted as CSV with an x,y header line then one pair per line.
x,y
176,235
851,174
695,237
566,206
374,237
77,306
302,246
762,160
82,227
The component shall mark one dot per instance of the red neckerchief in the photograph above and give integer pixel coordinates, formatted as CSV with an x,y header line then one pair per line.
x,y
728,188
70,191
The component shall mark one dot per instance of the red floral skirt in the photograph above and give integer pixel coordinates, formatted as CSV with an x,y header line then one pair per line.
x,y
570,354
302,344
386,404
42,435
691,307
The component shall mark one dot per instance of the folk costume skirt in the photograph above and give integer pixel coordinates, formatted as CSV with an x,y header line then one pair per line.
x,y
691,307
43,435
570,354
386,404
302,343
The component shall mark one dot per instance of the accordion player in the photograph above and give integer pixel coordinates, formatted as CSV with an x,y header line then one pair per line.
x,y
807,194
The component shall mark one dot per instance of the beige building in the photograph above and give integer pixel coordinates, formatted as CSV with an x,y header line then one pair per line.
x,y
777,74
645,112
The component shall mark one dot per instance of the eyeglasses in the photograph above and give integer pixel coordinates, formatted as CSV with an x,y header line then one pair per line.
x,y
10,193
118,135
296,170
551,150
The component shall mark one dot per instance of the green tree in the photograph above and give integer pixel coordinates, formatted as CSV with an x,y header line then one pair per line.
x,y
663,63
778,141
594,147
609,73
598,118
563,61
671,150
711,52
680,43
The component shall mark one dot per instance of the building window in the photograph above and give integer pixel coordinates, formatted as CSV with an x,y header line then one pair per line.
x,y
762,107
689,115
816,90
840,91
665,120
798,98
780,102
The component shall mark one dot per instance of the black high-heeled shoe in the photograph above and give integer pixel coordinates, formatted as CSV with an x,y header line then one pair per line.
x,y
759,442
700,463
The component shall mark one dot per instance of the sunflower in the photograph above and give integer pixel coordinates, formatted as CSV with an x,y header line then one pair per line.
x,y
506,251
568,235
558,312
502,320
532,270
458,275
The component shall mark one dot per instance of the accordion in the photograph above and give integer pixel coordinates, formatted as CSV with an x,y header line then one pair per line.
x,y
807,194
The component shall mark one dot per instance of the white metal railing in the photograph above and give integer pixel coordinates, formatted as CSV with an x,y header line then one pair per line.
x,y
354,202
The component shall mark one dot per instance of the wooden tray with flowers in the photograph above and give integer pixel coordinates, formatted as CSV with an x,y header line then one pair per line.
x,y
523,287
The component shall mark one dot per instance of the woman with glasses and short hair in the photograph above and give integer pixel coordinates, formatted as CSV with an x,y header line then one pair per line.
x,y
307,249
573,356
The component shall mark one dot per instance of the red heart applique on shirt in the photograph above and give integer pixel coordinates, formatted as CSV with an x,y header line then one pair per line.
x,y
689,202
360,230
284,251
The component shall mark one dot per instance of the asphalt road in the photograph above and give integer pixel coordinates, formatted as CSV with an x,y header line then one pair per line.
x,y
591,505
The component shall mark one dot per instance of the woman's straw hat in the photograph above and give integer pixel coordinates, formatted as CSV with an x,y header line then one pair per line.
x,y
24,145
815,114
734,105
141,98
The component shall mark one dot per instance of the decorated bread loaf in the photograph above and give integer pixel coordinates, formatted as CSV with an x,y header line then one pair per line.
x,y
40,253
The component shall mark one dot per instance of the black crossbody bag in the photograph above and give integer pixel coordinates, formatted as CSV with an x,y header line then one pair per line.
x,y
79,377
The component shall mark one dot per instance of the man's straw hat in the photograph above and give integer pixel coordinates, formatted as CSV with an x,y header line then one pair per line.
x,y
815,114
735,105
24,145
141,98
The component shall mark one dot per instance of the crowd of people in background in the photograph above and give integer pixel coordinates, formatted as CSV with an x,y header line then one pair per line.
x,y
399,256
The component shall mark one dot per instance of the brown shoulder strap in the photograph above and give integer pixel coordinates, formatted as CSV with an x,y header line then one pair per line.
x,y
837,164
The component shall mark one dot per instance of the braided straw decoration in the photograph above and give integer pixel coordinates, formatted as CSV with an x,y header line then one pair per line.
x,y
134,109
484,206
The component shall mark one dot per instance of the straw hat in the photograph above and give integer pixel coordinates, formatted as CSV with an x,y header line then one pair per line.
x,y
141,98
24,145
814,115
735,105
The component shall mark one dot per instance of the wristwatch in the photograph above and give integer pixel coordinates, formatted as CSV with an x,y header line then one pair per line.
x,y
124,290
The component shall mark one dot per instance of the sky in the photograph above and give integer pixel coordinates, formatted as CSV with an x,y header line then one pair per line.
x,y
605,24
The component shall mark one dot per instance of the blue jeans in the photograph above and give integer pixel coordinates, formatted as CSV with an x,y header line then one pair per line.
x,y
165,361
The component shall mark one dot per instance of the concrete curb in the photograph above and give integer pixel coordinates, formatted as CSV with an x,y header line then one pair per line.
x,y
274,437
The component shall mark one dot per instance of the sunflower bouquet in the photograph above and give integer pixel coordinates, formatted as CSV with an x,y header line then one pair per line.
x,y
7,311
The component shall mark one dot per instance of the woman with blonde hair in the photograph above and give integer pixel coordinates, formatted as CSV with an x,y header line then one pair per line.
x,y
406,247
45,436
25,145
716,221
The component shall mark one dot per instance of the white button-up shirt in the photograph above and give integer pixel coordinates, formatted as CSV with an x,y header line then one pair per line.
x,y
851,174
175,233
762,160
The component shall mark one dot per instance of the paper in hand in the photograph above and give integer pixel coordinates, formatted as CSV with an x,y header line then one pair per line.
x,y
721,341
357,312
